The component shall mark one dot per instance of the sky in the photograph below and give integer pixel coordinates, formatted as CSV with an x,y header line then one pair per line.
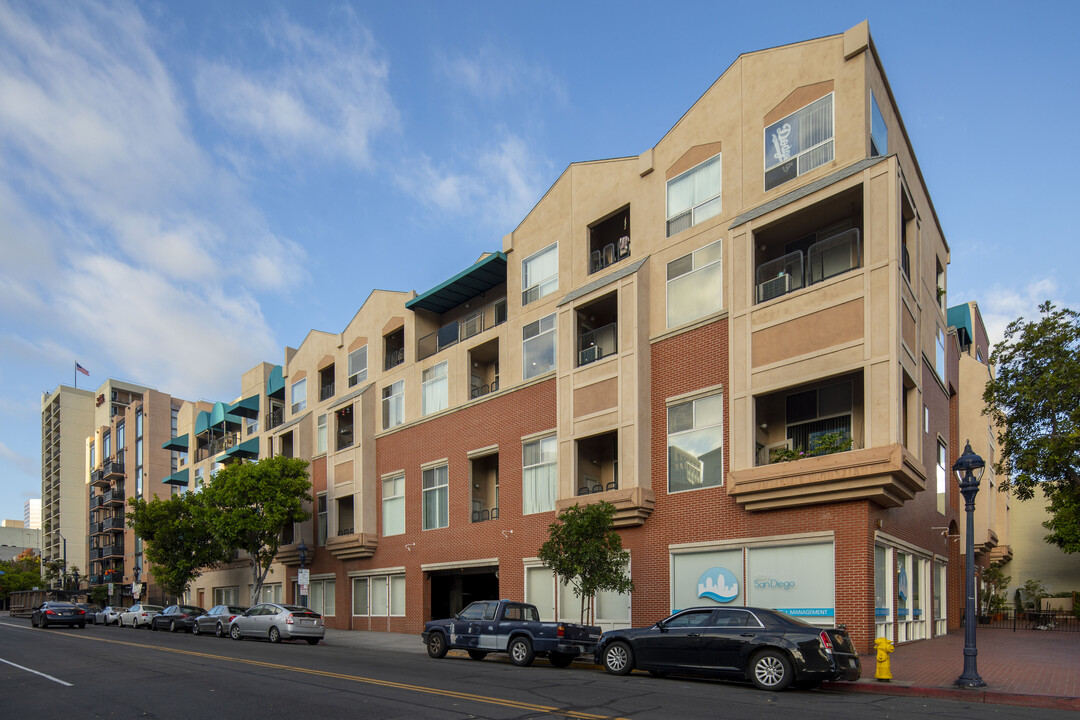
x,y
188,187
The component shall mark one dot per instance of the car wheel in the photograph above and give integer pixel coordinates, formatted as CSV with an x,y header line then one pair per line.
x,y
194,628
234,632
172,626
521,651
618,658
477,654
436,645
312,641
771,670
560,660
275,635
219,631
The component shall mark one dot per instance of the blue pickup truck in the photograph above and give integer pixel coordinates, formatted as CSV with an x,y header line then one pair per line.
x,y
509,627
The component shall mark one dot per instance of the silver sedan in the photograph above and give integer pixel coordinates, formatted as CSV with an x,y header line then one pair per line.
x,y
108,615
276,622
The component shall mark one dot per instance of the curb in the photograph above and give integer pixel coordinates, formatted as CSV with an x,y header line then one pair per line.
x,y
1049,702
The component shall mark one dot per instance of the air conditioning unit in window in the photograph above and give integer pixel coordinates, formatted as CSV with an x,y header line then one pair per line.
x,y
590,354
774,288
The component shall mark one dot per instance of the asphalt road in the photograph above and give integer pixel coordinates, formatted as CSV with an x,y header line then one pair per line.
x,y
109,672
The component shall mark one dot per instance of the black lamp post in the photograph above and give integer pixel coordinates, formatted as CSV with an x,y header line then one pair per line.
x,y
75,577
302,550
969,469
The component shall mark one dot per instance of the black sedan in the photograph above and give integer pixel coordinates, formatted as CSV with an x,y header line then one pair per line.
x,y
176,617
767,647
217,620
53,612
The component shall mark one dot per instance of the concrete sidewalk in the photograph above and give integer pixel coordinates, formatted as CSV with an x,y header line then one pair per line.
x,y
1026,667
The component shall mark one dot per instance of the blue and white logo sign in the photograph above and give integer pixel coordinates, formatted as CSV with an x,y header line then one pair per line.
x,y
719,584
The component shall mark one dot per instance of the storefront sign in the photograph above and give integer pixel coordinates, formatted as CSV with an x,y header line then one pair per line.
x,y
719,584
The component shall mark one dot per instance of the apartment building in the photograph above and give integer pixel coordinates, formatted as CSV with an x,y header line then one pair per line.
x,y
737,337
67,418
32,513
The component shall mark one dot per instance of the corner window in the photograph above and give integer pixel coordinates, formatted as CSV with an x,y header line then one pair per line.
x,y
540,274
435,388
436,498
799,143
879,134
696,444
393,404
694,196
539,473
538,347
358,366
695,285
299,395
393,505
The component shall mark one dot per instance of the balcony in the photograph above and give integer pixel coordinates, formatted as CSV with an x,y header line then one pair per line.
x,y
113,469
96,579
114,497
599,343
115,576
352,546
394,348
97,477
276,417
290,554
113,524
115,550
326,392
632,505
97,528
96,501
609,240
97,553
455,331
394,358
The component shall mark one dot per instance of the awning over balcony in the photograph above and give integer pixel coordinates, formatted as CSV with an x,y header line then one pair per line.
x,y
177,443
276,382
202,422
247,408
220,415
177,478
248,450
489,272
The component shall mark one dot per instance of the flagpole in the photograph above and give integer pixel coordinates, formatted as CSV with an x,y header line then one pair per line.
x,y
76,376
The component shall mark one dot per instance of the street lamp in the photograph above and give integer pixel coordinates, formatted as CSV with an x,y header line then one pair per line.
x,y
75,577
969,469
302,551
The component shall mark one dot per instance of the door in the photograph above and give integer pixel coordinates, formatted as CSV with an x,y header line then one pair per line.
x,y
676,642
731,631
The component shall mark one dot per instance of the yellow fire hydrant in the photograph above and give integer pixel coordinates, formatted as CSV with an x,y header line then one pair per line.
x,y
883,647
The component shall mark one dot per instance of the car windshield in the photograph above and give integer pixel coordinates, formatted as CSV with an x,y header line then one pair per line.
x,y
191,610
60,605
152,608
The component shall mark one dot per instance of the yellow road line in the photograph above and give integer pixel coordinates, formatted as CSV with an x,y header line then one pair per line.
x,y
368,681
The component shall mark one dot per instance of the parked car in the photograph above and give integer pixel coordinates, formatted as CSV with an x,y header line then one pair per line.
x,y
277,622
176,617
54,612
767,647
138,615
217,620
515,628
90,610
108,615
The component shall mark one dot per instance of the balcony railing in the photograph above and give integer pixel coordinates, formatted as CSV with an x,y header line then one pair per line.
x,y
598,343
826,258
277,417
113,577
344,438
115,550
113,468
905,261
97,553
114,496
326,391
394,358
113,523
481,390
97,477
609,254
96,501
97,528
219,445
456,331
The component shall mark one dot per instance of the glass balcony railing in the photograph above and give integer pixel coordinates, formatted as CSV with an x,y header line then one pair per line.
x,y
456,331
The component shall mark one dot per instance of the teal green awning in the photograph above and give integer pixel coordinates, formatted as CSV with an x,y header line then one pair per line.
x,y
177,443
220,416
481,277
248,407
202,422
247,450
177,478
959,317
276,382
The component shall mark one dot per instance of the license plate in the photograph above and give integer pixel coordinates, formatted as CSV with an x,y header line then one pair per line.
x,y
851,662
307,622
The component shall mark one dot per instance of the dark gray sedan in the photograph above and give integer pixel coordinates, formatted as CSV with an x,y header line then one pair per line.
x,y
217,620
176,617
54,612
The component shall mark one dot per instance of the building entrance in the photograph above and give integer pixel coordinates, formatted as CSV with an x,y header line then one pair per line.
x,y
452,590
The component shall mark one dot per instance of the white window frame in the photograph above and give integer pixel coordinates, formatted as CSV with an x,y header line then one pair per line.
x,y
773,152
883,625
323,585
434,394
393,402
393,503
529,471
543,330
941,597
320,435
298,387
364,582
439,488
695,428
702,261
358,374
701,208
541,287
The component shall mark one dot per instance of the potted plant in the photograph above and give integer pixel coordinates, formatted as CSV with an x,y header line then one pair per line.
x,y
993,595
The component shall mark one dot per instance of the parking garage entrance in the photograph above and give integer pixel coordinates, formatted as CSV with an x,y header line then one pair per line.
x,y
454,588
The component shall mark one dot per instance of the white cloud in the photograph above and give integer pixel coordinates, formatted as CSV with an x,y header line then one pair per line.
x,y
325,95
1000,305
490,73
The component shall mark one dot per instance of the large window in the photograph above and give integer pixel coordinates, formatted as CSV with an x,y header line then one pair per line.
x,y
435,388
436,497
539,474
393,505
321,500
321,596
299,395
358,366
540,274
393,404
696,443
379,596
694,196
227,595
320,435
942,476
695,285
799,143
538,347
879,133
814,415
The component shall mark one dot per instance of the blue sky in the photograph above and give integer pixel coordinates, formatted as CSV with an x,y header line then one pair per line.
x,y
187,187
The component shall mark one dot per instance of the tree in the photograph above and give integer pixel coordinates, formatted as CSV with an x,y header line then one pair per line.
x,y
1034,403
180,538
586,553
253,503
22,573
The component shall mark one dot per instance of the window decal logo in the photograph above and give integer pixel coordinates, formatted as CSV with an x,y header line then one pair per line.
x,y
719,584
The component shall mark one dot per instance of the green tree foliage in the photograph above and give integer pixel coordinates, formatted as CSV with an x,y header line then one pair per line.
x,y
22,573
180,538
253,502
586,552
1034,403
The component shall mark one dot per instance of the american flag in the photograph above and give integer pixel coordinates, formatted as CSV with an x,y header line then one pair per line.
x,y
81,369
